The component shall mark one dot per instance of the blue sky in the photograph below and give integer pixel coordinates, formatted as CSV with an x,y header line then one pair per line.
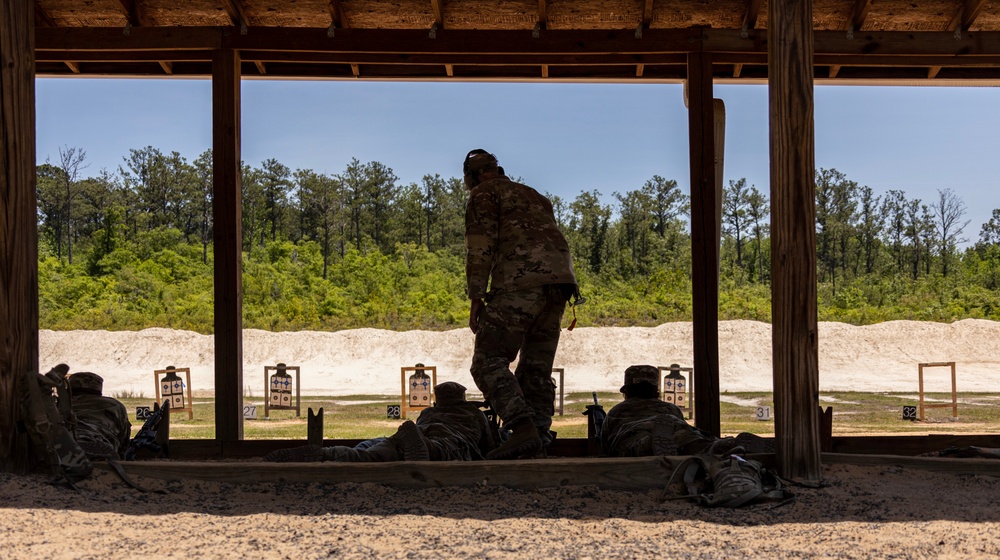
x,y
560,138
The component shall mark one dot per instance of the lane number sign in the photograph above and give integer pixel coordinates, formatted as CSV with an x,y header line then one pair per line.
x,y
392,412
763,413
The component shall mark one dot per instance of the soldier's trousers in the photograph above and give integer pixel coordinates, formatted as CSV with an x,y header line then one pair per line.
x,y
525,322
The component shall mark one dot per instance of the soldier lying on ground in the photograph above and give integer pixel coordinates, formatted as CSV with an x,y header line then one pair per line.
x,y
102,425
454,429
643,425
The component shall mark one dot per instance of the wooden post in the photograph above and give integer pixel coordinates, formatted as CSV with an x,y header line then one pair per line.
x,y
704,242
228,245
314,427
18,215
793,239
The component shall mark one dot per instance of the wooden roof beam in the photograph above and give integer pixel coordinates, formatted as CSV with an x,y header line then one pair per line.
x,y
338,20
966,15
135,16
750,17
543,19
438,9
237,14
42,18
858,16
961,21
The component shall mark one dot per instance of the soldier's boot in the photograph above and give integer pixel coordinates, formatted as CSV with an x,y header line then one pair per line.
x,y
752,443
523,440
303,454
410,442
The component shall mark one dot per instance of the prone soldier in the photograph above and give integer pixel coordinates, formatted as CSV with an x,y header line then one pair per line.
x,y
454,429
644,425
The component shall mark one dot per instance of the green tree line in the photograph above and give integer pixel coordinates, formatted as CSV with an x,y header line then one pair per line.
x,y
132,248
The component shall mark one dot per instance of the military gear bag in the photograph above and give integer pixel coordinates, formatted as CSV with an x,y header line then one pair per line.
x,y
49,426
728,481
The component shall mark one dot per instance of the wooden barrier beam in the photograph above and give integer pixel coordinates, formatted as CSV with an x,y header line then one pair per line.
x,y
631,473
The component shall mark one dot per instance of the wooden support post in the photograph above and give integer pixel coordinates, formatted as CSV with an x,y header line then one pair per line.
x,y
228,245
793,239
704,241
18,226
314,427
826,429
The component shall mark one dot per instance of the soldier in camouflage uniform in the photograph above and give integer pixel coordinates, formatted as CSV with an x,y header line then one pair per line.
x,y
520,276
102,425
644,425
454,429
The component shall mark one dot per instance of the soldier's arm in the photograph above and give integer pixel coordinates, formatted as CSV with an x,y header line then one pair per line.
x,y
481,239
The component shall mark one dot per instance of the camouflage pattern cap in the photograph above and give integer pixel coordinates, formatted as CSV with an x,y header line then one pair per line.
x,y
641,374
86,381
449,392
478,160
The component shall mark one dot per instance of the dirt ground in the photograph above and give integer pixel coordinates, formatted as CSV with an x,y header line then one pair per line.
x,y
860,512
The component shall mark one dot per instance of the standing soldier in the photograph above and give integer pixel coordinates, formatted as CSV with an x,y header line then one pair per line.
x,y
520,276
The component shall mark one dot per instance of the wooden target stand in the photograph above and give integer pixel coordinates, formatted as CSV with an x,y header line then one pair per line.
x,y
683,397
268,393
405,407
954,390
562,391
172,397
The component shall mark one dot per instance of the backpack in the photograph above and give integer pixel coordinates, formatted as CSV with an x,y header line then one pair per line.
x,y
728,481
49,426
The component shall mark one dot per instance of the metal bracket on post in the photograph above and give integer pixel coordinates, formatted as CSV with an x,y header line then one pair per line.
x,y
433,33
330,30
537,31
850,32
638,30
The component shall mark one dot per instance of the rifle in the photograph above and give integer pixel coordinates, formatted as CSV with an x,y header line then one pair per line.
x,y
146,437
595,418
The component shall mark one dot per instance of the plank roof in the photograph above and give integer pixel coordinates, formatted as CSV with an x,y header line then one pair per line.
x,y
856,41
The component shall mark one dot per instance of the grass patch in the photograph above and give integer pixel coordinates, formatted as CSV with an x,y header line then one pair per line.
x,y
364,416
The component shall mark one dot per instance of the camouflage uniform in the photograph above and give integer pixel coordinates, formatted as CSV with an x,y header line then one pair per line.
x,y
648,426
515,249
451,430
99,420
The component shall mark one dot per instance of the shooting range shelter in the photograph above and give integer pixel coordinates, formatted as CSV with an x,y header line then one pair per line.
x,y
787,44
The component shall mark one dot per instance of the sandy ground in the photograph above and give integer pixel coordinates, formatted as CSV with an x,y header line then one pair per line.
x,y
859,512
880,357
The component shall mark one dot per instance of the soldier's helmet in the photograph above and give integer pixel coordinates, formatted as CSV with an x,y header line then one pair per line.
x,y
449,393
478,160
86,382
642,374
